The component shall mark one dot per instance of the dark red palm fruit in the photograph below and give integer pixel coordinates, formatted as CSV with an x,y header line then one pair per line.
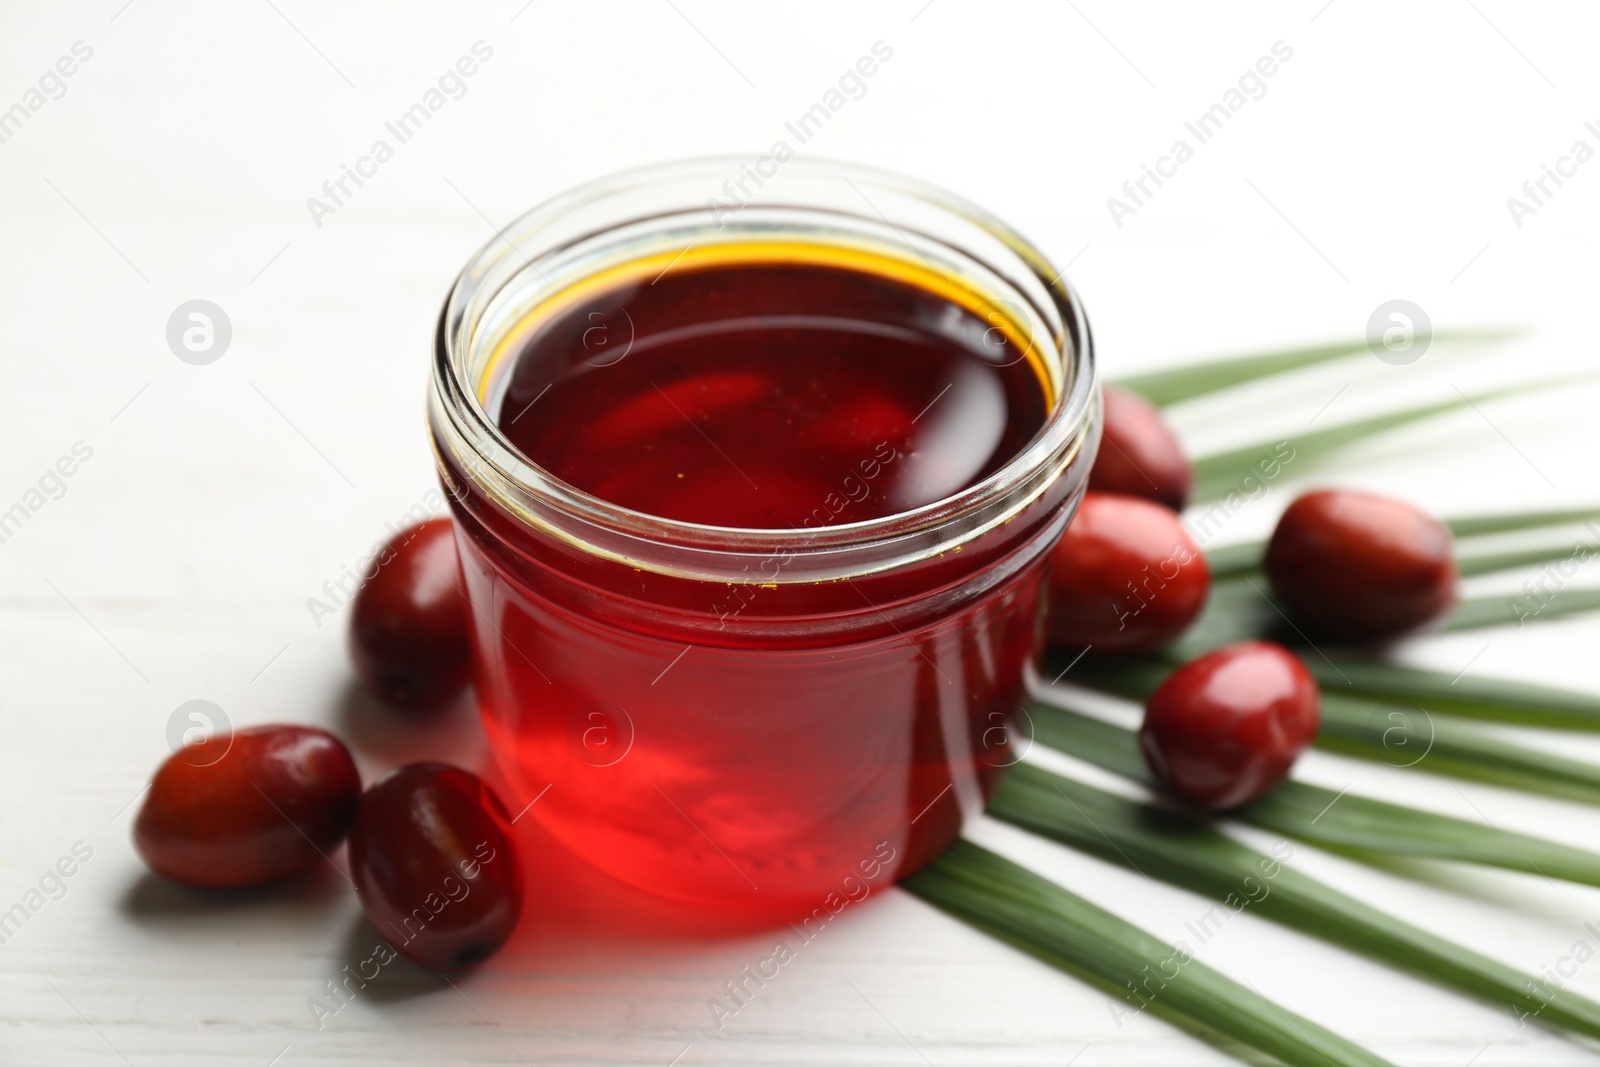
x,y
241,809
1139,454
1361,567
1225,728
435,867
1125,577
408,629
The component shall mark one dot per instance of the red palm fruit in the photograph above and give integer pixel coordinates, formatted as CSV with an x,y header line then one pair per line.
x,y
241,809
435,866
1225,728
1361,567
408,627
1125,577
1139,454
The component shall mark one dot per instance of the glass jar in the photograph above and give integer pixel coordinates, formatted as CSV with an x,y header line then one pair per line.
x,y
757,719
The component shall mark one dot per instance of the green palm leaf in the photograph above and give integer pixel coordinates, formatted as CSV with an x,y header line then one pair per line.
x,y
1364,825
1131,679
1440,744
1340,821
1471,563
1231,561
1172,384
1506,610
1221,473
1474,525
1068,932
1186,852
1490,699
1236,609
1403,736
1050,922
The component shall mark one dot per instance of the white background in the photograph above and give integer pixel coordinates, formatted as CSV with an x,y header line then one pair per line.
x,y
219,498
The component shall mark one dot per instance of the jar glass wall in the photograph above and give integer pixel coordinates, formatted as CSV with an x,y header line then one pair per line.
x,y
749,716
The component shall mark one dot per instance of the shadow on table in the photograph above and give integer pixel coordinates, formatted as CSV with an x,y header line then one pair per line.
x,y
376,972
152,898
383,739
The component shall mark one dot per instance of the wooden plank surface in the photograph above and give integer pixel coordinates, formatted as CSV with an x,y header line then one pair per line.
x,y
175,164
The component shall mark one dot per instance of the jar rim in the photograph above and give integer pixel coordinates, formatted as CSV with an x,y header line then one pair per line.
x,y
463,428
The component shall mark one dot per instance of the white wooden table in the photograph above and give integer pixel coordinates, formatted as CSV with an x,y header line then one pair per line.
x,y
175,164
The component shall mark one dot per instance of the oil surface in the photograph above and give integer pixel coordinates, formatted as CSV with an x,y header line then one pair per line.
x,y
771,394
